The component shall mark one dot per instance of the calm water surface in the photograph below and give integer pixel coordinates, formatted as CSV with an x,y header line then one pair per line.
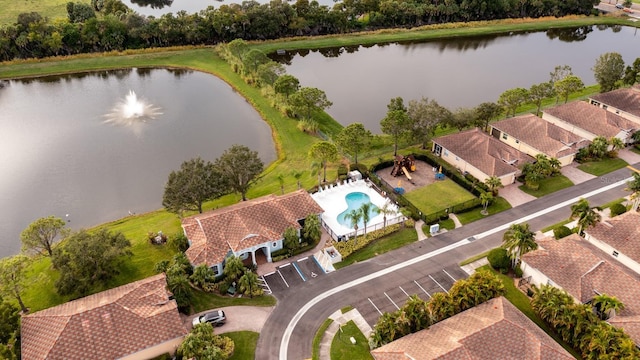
x,y
59,157
360,81
157,8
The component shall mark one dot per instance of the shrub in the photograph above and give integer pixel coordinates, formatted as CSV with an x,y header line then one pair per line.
x,y
342,170
364,170
518,271
617,209
179,242
499,259
561,232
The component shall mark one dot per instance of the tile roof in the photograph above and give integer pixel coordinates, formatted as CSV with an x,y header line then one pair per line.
x,y
214,234
627,99
106,325
583,270
484,152
591,118
621,232
543,136
493,330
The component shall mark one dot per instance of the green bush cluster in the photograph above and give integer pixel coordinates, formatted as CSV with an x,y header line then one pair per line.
x,y
561,232
617,209
346,248
499,259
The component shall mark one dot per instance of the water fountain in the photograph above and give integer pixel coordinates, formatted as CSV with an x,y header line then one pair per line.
x,y
132,110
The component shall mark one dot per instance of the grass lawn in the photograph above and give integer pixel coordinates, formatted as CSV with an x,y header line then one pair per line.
x,y
610,203
380,246
523,303
556,225
548,186
52,9
474,258
602,167
499,204
444,224
204,301
245,344
342,348
438,196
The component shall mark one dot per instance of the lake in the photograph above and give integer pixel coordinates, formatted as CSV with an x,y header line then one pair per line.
x,y
60,157
361,80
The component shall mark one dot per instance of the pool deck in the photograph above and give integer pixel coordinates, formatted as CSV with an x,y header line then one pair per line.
x,y
333,200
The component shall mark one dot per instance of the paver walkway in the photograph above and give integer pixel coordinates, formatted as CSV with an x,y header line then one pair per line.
x,y
340,319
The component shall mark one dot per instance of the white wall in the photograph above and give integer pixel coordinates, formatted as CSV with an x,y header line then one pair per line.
x,y
167,347
625,260
461,164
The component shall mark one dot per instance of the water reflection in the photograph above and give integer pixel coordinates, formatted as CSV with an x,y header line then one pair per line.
x,y
570,35
154,4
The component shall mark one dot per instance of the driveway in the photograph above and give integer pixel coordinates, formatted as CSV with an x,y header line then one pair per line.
x,y
628,156
574,174
515,196
239,318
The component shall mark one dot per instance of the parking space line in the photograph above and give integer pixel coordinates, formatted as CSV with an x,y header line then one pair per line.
x,y
393,302
403,291
281,266
265,284
452,278
319,266
295,266
285,281
434,280
374,305
304,258
271,273
421,288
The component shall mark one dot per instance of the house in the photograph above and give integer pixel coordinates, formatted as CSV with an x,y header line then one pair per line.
x,y
492,330
533,135
481,155
619,237
133,321
589,122
246,228
584,271
624,102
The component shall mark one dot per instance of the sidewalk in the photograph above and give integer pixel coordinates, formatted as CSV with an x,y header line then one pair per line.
x,y
340,319
267,268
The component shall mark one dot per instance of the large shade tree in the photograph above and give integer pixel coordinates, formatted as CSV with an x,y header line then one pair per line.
x,y
425,115
354,139
240,168
519,240
396,123
324,152
88,260
513,98
196,182
485,112
539,92
13,278
568,85
608,70
40,235
307,100
286,85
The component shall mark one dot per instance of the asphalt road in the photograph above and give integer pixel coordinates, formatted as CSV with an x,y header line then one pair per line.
x,y
309,294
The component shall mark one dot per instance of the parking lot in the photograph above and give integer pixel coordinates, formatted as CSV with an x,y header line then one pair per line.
x,y
389,300
292,274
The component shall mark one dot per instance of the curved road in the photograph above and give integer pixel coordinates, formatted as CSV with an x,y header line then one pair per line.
x,y
320,297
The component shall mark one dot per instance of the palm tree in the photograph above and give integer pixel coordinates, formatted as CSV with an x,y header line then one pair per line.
x,y
634,187
485,199
519,240
281,182
416,310
616,143
233,268
248,283
604,304
365,209
385,210
493,183
297,174
440,307
585,214
354,216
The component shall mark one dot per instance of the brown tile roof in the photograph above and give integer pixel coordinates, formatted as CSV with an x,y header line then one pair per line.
x,y
106,325
591,118
621,232
484,152
627,99
543,136
583,270
493,330
215,233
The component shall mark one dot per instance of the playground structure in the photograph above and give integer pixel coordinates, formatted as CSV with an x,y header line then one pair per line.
x,y
404,165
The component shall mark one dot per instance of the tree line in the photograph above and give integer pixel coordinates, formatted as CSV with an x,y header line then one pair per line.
x,y
107,25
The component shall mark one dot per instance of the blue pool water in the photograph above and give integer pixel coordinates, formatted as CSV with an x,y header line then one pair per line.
x,y
354,201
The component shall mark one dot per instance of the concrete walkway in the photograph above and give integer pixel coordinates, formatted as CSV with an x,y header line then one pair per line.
x,y
268,268
455,219
421,235
628,156
574,174
340,319
515,196
471,267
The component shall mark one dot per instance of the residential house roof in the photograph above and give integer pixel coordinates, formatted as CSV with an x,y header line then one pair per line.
x,y
593,119
621,232
214,234
627,99
584,271
107,325
542,135
486,153
492,330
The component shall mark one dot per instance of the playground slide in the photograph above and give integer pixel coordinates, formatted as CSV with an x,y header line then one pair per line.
x,y
406,173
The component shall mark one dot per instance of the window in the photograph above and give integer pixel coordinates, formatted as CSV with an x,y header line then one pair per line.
x,y
215,270
517,141
275,244
457,158
614,253
446,152
505,136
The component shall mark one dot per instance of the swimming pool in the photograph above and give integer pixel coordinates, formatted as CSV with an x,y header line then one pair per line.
x,y
354,201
